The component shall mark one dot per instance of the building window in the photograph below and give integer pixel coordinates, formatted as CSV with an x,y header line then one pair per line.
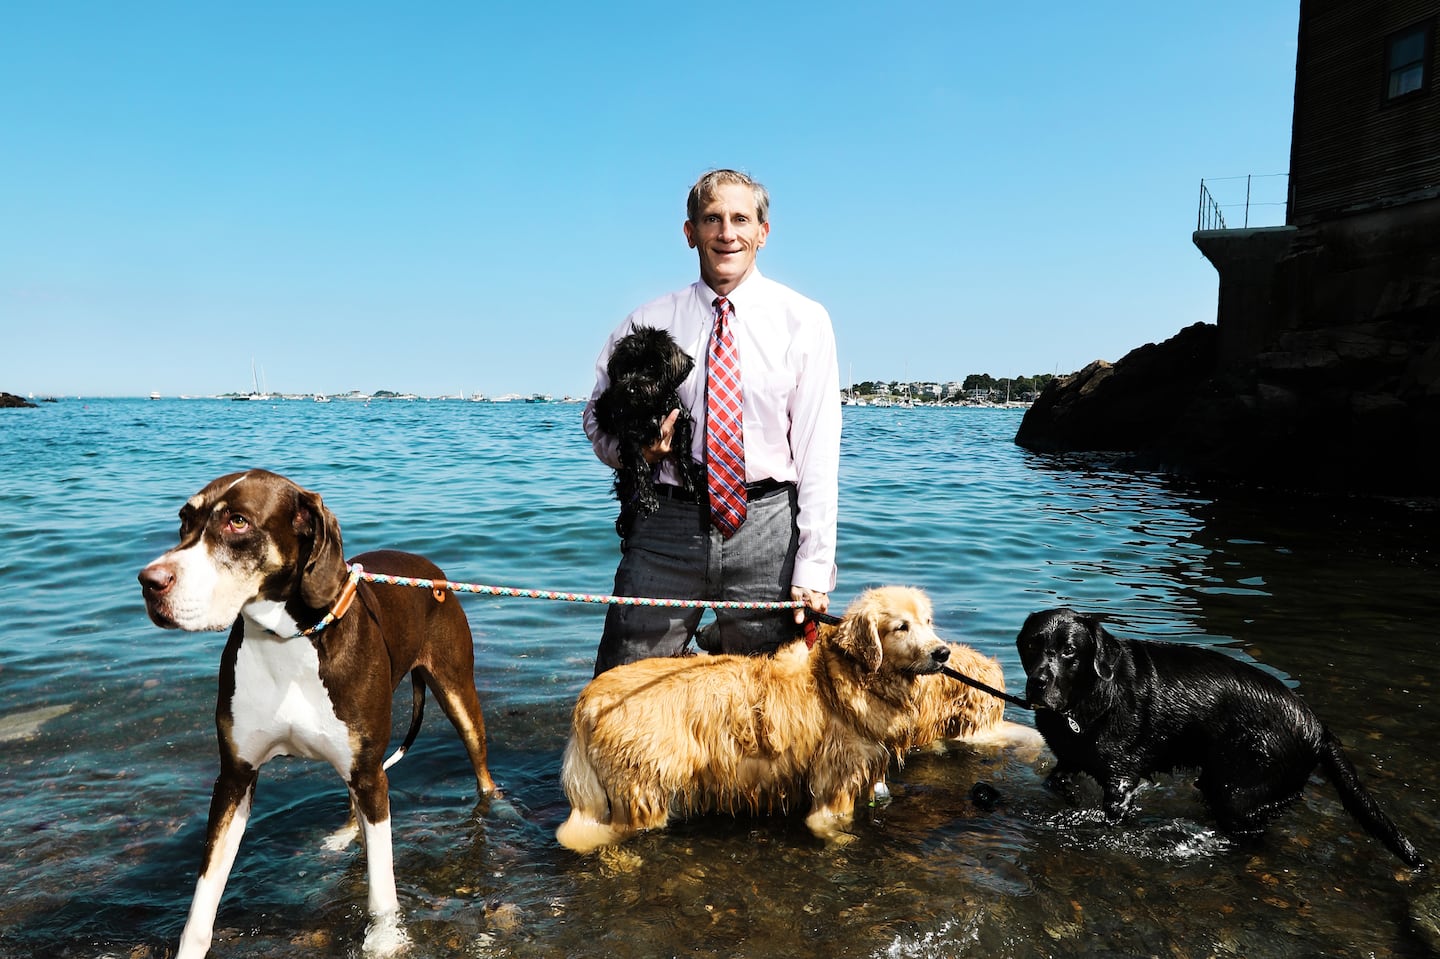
x,y
1407,59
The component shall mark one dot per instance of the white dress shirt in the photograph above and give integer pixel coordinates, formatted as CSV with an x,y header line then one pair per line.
x,y
791,380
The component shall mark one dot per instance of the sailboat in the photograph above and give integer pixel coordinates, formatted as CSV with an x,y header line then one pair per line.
x,y
848,398
255,392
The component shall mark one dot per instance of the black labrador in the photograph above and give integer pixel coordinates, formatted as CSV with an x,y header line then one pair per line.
x,y
1122,710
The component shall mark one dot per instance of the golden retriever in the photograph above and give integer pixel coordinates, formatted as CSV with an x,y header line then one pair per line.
x,y
724,733
949,709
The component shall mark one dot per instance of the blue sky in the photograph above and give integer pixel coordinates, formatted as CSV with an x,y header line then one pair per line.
x,y
444,197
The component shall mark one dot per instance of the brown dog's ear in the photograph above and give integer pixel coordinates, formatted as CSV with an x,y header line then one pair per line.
x,y
323,571
859,637
1107,649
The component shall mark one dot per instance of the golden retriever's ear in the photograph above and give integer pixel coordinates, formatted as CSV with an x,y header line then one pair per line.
x,y
1107,649
859,638
323,571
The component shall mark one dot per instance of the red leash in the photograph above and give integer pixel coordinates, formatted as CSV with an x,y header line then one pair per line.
x,y
813,616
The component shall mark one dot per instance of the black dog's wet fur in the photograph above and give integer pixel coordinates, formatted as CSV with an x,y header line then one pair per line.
x,y
646,369
1145,707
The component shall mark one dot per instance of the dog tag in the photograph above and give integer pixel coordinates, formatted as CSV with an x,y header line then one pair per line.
x,y
1074,726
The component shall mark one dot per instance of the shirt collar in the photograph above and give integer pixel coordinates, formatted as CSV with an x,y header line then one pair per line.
x,y
739,296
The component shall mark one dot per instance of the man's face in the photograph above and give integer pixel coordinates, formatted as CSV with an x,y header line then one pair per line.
x,y
727,233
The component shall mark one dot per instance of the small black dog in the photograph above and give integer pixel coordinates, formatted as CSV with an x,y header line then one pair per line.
x,y
1121,710
646,369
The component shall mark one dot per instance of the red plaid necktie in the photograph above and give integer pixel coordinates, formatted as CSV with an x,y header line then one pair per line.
x,y
725,427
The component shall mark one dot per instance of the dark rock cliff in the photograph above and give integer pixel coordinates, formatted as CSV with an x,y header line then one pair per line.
x,y
1322,374
1353,409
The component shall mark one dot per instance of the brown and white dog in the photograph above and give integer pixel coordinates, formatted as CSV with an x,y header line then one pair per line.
x,y
262,557
814,726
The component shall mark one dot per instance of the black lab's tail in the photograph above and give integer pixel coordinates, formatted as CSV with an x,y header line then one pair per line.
x,y
1362,805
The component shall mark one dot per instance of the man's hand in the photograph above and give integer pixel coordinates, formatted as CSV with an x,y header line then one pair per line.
x,y
660,449
820,602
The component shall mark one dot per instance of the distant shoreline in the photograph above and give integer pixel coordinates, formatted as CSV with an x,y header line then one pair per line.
x,y
353,396
872,402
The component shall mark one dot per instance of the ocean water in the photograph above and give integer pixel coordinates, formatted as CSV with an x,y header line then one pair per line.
x,y
106,722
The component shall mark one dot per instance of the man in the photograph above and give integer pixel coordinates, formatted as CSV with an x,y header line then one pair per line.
x,y
769,534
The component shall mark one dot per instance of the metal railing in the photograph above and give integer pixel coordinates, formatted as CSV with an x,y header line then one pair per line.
x,y
1211,215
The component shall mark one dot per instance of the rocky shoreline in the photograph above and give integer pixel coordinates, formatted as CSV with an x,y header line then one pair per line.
x,y
1349,409
1321,374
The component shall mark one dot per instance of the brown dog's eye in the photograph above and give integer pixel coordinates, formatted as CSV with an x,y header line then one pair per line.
x,y
238,523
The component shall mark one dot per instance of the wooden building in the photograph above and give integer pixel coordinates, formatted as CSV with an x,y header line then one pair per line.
x,y
1366,129
1362,233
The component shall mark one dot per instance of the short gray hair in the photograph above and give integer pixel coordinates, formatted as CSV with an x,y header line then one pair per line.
x,y
710,183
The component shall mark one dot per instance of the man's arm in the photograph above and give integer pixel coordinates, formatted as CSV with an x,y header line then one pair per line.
x,y
815,421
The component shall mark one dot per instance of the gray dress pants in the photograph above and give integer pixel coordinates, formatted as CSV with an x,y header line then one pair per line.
x,y
675,553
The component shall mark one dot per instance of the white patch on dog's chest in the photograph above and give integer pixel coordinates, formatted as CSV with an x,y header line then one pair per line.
x,y
281,707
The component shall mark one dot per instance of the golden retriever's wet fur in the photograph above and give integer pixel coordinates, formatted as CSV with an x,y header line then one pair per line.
x,y
949,709
807,727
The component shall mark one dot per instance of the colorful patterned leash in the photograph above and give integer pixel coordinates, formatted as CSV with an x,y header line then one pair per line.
x,y
515,591
358,572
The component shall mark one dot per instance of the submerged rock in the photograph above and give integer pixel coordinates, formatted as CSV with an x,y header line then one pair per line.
x,y
1425,917
26,725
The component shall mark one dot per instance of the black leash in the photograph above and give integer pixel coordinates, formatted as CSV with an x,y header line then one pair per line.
x,y
832,620
1013,700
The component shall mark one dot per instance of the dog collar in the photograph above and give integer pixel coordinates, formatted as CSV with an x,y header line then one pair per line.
x,y
342,603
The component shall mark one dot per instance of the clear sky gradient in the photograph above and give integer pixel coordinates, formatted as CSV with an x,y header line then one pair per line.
x,y
450,197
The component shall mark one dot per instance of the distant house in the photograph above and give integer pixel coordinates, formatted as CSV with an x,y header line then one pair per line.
x,y
1362,224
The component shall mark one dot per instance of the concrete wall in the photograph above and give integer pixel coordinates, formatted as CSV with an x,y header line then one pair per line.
x,y
1247,313
1346,271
